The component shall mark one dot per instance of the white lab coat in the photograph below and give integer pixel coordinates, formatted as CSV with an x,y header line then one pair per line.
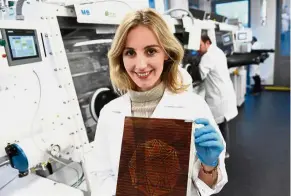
x,y
219,91
255,69
187,80
109,133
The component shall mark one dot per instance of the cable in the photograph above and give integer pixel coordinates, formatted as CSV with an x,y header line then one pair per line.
x,y
4,161
79,181
19,6
36,113
37,109
8,182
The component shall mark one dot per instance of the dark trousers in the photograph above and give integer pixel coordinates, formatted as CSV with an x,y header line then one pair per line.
x,y
225,133
257,88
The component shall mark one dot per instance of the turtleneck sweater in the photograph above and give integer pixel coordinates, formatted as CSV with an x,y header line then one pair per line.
x,y
143,104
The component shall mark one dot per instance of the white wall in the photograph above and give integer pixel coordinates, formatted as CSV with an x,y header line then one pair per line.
x,y
266,35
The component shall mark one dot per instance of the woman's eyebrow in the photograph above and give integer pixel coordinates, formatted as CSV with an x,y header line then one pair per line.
x,y
128,48
152,46
146,47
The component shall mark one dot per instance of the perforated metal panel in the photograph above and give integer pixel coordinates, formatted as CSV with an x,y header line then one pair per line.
x,y
87,56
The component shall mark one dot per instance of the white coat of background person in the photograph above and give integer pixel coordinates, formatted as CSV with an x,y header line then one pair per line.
x,y
219,90
144,59
188,81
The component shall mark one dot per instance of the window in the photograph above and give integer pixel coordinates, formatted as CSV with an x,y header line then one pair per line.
x,y
285,28
234,9
193,3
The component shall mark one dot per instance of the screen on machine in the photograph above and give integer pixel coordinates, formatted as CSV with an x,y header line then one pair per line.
x,y
22,44
242,36
226,39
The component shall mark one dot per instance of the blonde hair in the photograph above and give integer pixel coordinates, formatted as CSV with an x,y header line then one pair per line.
x,y
171,46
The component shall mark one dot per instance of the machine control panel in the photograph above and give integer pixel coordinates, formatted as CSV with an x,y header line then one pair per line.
x,y
242,36
227,39
21,46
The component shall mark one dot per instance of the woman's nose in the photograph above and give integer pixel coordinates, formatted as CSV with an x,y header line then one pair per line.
x,y
141,62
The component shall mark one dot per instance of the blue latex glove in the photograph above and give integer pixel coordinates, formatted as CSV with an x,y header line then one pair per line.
x,y
208,143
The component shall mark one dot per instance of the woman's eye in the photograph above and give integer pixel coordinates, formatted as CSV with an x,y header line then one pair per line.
x,y
129,53
151,51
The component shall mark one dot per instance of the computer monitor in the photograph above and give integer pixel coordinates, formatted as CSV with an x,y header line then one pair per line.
x,y
22,46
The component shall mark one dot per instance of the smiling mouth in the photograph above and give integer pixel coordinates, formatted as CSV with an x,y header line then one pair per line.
x,y
143,74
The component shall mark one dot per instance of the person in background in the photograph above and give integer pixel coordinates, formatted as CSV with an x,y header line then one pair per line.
x,y
219,91
144,60
255,69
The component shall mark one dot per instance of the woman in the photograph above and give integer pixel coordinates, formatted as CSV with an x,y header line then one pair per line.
x,y
144,60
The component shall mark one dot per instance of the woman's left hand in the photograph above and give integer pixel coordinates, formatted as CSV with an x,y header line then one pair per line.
x,y
208,143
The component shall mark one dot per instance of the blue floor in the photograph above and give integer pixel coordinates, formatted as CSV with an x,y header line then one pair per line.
x,y
259,164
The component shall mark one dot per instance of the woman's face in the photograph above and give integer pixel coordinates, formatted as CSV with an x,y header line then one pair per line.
x,y
143,58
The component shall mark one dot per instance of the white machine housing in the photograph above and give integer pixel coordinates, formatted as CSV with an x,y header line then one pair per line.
x,y
243,40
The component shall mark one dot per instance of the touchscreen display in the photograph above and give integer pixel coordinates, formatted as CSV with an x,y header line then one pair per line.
x,y
22,46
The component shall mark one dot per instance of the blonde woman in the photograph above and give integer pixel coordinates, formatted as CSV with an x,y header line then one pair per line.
x,y
144,60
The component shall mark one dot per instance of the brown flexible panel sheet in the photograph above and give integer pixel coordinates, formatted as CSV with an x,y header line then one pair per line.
x,y
154,158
